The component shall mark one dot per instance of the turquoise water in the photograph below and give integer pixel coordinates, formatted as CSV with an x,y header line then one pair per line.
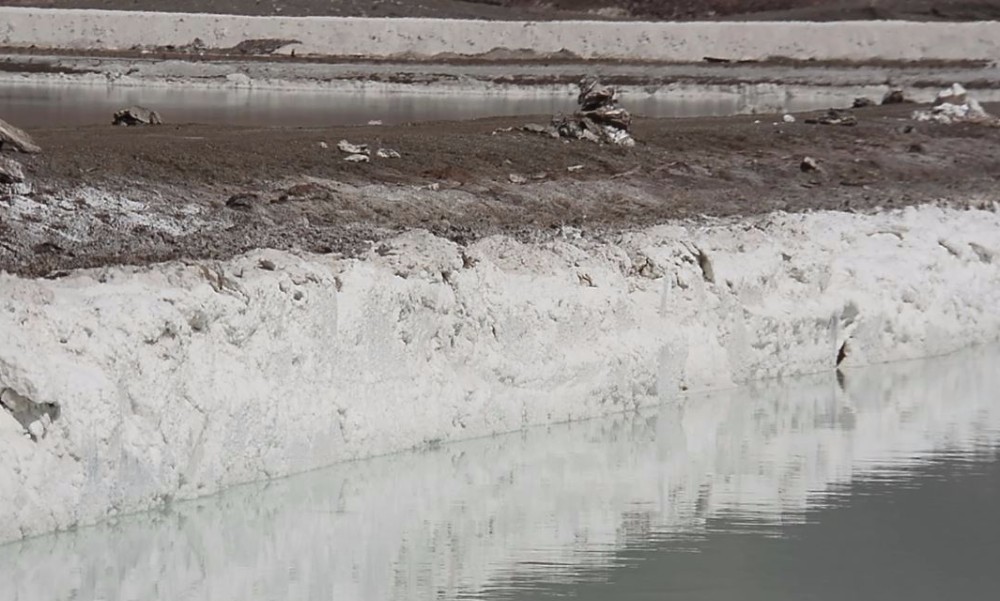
x,y
881,483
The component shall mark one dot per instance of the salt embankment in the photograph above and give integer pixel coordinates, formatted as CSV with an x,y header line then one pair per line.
x,y
425,38
128,387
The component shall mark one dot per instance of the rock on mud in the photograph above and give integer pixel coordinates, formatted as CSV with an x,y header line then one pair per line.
x,y
263,46
598,119
243,201
16,138
10,171
953,105
349,148
895,96
137,115
834,117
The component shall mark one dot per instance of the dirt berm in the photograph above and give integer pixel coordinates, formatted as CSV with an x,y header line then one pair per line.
x,y
106,195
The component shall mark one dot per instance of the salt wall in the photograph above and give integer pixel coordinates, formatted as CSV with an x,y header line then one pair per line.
x,y
683,42
124,388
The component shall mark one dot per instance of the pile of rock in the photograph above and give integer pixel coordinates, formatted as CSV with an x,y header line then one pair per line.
x,y
12,180
136,115
953,105
598,119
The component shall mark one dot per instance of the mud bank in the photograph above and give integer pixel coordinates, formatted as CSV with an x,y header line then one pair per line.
x,y
761,91
682,42
131,387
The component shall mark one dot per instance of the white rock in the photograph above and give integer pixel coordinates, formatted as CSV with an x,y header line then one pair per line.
x,y
619,137
358,158
788,118
975,110
953,106
37,429
349,148
956,94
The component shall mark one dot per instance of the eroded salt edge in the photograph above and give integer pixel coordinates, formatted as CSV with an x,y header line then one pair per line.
x,y
177,380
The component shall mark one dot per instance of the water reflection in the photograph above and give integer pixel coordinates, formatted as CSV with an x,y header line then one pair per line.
x,y
71,105
720,493
37,105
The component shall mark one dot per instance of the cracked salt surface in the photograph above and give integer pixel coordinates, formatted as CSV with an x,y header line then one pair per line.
x,y
82,213
177,380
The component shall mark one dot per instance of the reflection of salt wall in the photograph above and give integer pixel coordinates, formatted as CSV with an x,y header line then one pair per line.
x,y
414,525
855,40
177,380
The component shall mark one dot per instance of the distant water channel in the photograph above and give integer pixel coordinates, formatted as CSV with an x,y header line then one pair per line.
x,y
53,105
882,484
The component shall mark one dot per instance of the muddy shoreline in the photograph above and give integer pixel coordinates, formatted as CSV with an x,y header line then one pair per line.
x,y
502,58
496,75
135,69
104,196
